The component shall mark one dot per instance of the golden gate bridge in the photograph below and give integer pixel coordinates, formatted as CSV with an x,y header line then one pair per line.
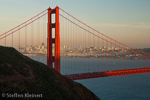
x,y
56,28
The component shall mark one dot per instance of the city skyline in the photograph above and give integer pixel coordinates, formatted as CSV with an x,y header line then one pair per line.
x,y
84,52
125,21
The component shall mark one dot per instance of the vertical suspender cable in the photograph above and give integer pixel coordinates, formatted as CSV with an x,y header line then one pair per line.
x,y
12,38
119,56
25,37
88,50
115,55
93,52
123,57
130,59
107,54
134,59
5,39
32,37
64,67
111,55
19,38
98,54
39,31
102,54
68,46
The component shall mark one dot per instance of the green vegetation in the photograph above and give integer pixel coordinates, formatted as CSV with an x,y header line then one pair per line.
x,y
20,74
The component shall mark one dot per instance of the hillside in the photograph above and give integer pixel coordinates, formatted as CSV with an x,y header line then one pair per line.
x,y
20,75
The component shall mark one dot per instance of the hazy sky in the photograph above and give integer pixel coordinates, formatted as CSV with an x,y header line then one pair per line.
x,y
127,21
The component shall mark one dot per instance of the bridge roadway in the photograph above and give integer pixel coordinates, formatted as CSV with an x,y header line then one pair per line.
x,y
108,73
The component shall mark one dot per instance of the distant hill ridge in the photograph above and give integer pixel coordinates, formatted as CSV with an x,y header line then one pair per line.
x,y
20,74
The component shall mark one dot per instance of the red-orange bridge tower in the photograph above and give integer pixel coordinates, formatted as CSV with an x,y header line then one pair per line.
x,y
53,60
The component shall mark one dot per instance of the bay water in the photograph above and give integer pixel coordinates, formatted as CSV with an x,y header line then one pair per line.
x,y
126,87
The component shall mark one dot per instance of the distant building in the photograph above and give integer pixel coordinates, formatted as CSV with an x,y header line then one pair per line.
x,y
104,47
42,44
116,48
64,46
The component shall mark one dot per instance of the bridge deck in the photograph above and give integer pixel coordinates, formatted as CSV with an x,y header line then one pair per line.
x,y
108,73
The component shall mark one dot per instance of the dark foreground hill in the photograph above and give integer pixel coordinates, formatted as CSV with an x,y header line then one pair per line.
x,y
24,78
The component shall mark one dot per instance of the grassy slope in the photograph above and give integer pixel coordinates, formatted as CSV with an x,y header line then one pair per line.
x,y
21,74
